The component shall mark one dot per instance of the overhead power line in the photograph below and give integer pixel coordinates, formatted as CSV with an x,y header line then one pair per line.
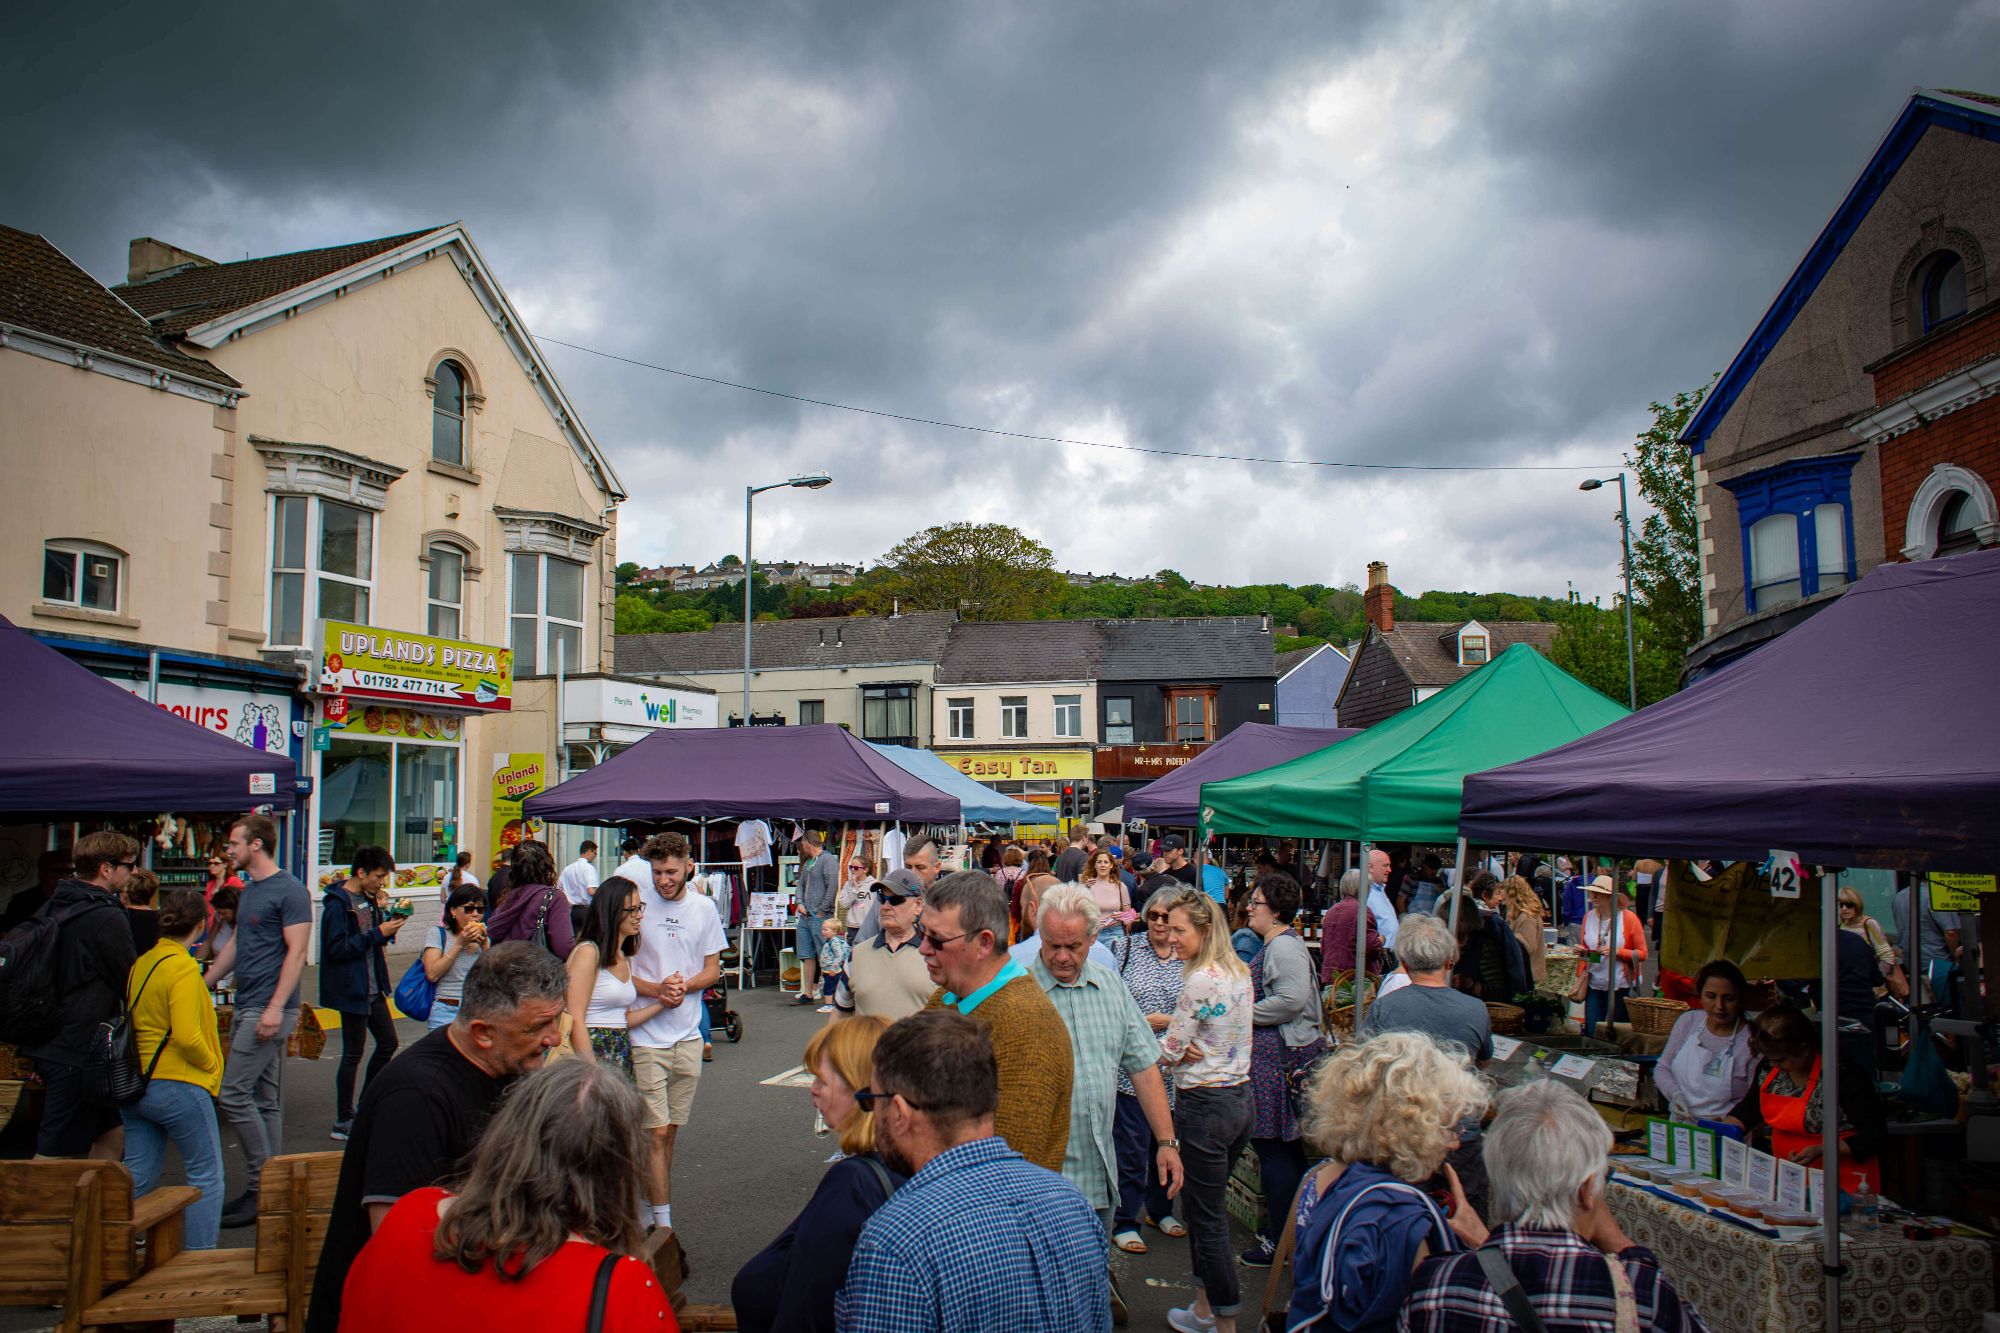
x,y
1088,444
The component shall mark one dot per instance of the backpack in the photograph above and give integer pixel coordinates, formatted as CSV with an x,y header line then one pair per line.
x,y
31,1004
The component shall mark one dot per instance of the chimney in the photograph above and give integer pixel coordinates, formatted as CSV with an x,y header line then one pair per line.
x,y
840,636
1380,599
149,258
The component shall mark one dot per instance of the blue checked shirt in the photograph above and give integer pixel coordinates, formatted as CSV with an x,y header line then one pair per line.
x,y
1563,1276
980,1239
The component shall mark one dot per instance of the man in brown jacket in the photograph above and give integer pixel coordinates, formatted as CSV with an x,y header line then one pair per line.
x,y
964,942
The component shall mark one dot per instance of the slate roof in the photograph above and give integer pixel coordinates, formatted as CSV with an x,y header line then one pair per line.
x,y
1005,651
828,641
194,296
1421,647
42,289
1218,648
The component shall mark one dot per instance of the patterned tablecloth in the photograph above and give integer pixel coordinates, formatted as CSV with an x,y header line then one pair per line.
x,y
1741,1282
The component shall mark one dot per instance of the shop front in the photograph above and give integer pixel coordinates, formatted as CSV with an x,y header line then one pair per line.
x,y
1038,777
391,759
1120,769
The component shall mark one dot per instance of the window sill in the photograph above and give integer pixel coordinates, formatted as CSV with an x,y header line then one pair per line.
x,y
453,470
83,614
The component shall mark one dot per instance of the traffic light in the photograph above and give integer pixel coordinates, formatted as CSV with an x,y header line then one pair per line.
x,y
1069,800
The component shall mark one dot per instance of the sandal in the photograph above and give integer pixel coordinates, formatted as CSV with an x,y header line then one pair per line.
x,y
1171,1226
1129,1241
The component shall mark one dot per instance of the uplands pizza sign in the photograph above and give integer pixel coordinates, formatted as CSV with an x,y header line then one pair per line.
x,y
361,662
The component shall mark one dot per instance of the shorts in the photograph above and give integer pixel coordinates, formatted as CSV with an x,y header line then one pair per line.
x,y
666,1076
71,1122
808,939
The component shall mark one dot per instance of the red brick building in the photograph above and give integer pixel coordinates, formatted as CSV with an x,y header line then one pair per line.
x,y
1861,421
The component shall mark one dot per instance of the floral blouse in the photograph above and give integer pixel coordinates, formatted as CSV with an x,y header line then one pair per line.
x,y
1213,1016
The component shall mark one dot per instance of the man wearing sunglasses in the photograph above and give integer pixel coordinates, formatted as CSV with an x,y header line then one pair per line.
x,y
887,975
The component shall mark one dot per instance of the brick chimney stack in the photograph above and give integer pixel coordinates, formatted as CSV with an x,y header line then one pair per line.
x,y
1380,599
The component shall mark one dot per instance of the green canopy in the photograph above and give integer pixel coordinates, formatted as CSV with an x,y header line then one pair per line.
x,y
1402,780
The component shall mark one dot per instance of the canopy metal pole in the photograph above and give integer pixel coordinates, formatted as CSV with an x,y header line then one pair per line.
x,y
1457,886
1611,971
1829,1083
1361,919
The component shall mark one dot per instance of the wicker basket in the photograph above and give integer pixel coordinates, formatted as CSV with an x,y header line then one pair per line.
x,y
1507,1020
1339,1017
307,1041
1653,1017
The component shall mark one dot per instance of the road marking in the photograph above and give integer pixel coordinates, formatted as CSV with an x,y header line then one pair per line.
x,y
795,1077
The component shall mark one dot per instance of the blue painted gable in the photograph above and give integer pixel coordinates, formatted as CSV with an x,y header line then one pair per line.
x,y
1926,110
1305,697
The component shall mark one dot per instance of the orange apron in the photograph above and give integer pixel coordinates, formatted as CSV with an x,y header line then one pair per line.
x,y
1787,1118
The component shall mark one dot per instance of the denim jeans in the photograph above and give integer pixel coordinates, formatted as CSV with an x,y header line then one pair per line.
x,y
701,1017
185,1114
442,1012
355,1029
1596,1004
1213,1125
1138,1178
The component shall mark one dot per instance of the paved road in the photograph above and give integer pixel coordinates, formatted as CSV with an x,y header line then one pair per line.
x,y
742,1169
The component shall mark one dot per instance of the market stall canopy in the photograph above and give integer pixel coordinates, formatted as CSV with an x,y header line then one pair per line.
x,y
1867,736
1175,798
977,802
816,772
1400,780
78,744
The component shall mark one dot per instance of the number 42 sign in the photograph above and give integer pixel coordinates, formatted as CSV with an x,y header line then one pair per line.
x,y
1783,872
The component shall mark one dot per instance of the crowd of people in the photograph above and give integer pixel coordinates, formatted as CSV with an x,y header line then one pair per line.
x,y
1028,1065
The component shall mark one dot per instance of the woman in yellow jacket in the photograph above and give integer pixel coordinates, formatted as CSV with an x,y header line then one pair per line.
x,y
174,1020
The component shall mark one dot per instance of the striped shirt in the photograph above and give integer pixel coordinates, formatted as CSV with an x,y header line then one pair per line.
x,y
1564,1277
1155,984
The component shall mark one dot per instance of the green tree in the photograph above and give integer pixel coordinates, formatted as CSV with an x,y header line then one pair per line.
x,y
728,562
984,571
1590,645
636,615
685,621
627,573
1666,569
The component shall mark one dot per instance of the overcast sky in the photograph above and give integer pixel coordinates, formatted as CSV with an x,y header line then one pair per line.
x,y
1403,232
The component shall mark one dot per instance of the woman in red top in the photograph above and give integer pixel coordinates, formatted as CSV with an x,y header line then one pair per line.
x,y
548,1217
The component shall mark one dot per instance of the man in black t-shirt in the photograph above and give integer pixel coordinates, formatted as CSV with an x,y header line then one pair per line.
x,y
433,1102
1173,848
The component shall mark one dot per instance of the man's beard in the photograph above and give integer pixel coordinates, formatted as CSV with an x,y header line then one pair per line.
x,y
890,1155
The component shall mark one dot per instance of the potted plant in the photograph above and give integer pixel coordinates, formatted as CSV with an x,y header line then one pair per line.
x,y
1543,1011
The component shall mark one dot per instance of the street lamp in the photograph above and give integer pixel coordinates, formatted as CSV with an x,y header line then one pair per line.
x,y
1625,525
811,481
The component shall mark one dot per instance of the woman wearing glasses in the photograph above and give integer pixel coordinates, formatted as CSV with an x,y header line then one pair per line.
x,y
1151,971
219,874
603,999
453,948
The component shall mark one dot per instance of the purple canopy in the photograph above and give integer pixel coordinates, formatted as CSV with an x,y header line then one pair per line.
x,y
816,772
73,743
1176,798
1867,736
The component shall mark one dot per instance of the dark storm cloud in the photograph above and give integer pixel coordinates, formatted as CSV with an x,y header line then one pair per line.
x,y
1394,233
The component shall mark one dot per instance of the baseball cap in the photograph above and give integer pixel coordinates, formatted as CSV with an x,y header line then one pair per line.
x,y
1140,860
1173,842
899,884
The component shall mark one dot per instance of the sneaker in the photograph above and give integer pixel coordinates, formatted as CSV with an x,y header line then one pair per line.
x,y
825,1009
341,1129
240,1211
803,999
1259,1255
1187,1321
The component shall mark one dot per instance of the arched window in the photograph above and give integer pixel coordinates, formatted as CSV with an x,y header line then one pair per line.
x,y
448,413
1958,524
1943,290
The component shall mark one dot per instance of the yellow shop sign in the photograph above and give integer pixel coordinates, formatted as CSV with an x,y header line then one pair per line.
x,y
364,663
1020,765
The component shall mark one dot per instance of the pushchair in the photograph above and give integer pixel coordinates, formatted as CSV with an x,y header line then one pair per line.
x,y
721,1018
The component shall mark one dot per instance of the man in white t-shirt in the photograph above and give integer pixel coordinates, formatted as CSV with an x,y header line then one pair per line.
x,y
680,956
753,844
579,878
634,867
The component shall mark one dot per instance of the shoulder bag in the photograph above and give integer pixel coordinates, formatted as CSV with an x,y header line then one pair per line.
x,y
600,1293
540,934
416,993
111,1073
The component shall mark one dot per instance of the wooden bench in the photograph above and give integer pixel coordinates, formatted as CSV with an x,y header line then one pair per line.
x,y
70,1230
663,1252
274,1278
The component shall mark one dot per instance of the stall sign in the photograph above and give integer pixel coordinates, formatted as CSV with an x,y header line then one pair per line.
x,y
1959,893
1019,766
516,777
362,663
260,720
1118,762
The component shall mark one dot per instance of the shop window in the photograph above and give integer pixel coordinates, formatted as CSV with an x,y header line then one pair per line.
x,y
446,592
82,575
1118,729
355,797
958,719
888,714
812,712
546,613
1014,717
1069,716
1797,529
448,415
1943,289
399,795
321,548
426,801
1190,715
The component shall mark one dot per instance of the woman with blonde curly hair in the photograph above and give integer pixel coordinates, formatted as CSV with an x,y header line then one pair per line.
x,y
791,1283
1523,910
1386,1112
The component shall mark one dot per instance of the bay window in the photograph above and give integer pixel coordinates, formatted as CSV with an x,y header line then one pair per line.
x,y
1797,529
545,602
322,565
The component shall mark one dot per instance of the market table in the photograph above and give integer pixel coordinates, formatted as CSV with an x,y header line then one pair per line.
x,y
1742,1282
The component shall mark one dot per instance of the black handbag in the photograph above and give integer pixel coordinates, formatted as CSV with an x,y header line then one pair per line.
x,y
111,1073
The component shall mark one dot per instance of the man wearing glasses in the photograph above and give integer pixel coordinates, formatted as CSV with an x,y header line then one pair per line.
x,y
887,975
93,956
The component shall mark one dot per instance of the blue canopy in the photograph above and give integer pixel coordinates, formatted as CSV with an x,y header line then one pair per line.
x,y
979,803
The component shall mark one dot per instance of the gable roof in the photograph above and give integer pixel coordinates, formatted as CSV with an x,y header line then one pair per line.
x,y
1292,660
1005,651
1419,647
45,291
209,305
917,637
180,300
1975,114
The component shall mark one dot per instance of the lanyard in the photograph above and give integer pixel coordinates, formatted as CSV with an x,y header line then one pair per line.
x,y
1007,973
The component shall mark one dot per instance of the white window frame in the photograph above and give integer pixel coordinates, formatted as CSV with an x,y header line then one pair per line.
x,y
1014,717
311,573
79,552
1068,716
433,603
959,715
544,622
438,410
